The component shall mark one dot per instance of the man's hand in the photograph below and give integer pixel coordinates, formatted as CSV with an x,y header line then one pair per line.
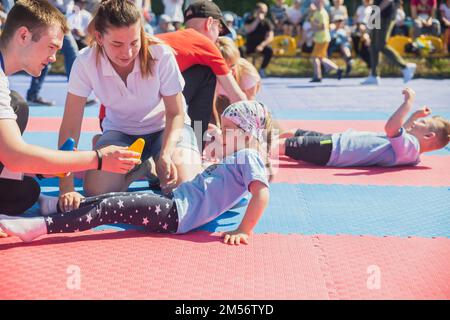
x,y
410,95
259,48
69,201
235,237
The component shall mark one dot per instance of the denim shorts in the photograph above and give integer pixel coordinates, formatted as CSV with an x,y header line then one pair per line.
x,y
153,141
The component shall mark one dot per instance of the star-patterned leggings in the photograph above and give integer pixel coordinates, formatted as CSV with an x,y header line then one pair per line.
x,y
153,212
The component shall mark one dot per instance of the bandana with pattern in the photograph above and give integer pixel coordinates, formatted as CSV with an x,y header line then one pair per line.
x,y
250,116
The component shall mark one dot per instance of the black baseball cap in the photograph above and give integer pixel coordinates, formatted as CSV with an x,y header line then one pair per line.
x,y
205,9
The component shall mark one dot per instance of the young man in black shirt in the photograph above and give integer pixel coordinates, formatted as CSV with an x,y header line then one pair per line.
x,y
259,35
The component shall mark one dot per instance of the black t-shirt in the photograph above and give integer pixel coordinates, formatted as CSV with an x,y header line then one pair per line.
x,y
390,10
259,34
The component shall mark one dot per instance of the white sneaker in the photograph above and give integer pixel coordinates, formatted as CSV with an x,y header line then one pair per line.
x,y
408,72
371,80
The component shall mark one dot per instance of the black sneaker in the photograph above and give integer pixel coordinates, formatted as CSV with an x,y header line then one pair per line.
x,y
40,102
349,67
315,80
339,73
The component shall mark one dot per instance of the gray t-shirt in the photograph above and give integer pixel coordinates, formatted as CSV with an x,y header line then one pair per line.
x,y
355,148
217,189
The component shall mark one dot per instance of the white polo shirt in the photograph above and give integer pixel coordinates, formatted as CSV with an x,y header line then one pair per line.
x,y
6,111
136,108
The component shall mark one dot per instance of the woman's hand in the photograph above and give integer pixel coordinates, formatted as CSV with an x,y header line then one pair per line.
x,y
235,237
167,172
69,201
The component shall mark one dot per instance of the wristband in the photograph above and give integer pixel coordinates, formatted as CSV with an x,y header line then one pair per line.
x,y
99,159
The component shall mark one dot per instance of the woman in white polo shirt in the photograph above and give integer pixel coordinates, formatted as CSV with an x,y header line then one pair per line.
x,y
138,81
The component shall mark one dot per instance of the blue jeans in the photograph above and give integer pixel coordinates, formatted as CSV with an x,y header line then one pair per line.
x,y
7,5
70,51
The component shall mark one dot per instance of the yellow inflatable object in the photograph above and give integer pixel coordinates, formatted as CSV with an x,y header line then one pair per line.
x,y
138,146
437,43
398,43
284,46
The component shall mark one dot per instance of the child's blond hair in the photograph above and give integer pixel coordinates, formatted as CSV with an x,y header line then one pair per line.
x,y
230,53
441,127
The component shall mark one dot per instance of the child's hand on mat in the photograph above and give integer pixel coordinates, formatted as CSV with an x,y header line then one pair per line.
x,y
119,159
70,201
423,112
409,94
235,237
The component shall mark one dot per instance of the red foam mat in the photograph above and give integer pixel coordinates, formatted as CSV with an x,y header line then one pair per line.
x,y
134,265
119,265
386,268
53,124
432,171
332,126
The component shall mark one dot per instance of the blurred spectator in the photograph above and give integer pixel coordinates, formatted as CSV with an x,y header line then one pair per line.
x,y
306,7
229,19
340,41
379,44
278,13
320,23
363,12
148,22
3,16
92,5
445,17
361,43
423,12
260,34
294,15
69,50
307,39
400,27
174,9
243,71
165,25
338,9
78,22
7,5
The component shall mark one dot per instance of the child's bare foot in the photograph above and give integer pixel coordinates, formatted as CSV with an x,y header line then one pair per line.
x,y
27,229
3,234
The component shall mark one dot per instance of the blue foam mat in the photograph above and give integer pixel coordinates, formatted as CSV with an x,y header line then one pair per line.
x,y
351,209
339,209
301,114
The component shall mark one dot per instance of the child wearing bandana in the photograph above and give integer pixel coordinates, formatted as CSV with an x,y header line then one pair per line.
x,y
192,204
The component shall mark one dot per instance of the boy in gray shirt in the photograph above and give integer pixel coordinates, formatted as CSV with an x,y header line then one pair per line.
x,y
402,143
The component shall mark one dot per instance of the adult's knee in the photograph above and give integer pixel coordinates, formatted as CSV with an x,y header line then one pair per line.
x,y
94,186
22,196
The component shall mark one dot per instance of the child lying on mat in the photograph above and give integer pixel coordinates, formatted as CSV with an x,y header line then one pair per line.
x,y
191,205
401,144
